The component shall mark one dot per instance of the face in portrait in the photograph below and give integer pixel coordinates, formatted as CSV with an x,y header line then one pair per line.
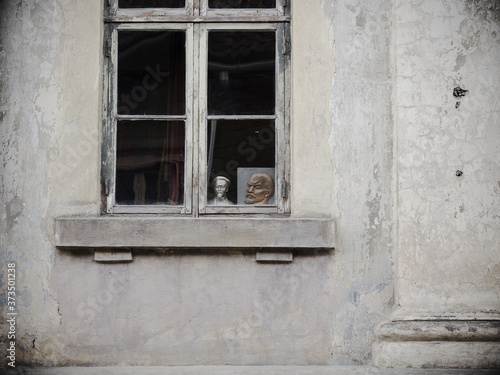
x,y
221,186
260,188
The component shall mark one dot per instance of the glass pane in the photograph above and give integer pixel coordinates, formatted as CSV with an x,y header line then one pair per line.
x,y
151,3
236,150
241,72
241,4
150,162
151,73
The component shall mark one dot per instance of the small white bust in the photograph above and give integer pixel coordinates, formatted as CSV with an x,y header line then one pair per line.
x,y
221,186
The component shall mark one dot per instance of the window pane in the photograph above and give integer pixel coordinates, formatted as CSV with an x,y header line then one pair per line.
x,y
238,148
150,162
151,73
241,72
242,4
151,3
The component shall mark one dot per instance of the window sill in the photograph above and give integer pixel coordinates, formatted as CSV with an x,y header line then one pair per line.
x,y
161,232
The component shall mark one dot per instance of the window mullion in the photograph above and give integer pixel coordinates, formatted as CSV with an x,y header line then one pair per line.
x,y
283,120
190,168
193,81
202,64
193,7
109,133
197,5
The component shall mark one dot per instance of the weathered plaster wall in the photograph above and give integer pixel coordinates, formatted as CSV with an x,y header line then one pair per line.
x,y
449,225
49,84
199,307
360,144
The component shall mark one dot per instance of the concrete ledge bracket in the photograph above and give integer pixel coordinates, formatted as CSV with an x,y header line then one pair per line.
x,y
113,256
274,257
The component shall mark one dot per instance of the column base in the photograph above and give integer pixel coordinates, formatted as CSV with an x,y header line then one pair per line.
x,y
438,344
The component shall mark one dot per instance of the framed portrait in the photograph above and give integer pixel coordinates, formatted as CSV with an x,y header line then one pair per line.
x,y
244,175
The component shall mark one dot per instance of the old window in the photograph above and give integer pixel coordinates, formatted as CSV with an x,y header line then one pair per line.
x,y
196,111
195,123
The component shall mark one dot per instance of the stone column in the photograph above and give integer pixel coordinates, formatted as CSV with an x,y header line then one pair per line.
x,y
447,172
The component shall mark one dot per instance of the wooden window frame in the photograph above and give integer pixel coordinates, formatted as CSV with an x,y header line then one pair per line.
x,y
196,20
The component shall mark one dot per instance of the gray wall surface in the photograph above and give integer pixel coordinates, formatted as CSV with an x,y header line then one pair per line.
x,y
448,233
377,138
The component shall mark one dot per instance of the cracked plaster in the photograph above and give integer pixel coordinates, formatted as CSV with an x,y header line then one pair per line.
x,y
372,80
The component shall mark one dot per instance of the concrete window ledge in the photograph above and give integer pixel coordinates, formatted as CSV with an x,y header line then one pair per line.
x,y
218,233
438,343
